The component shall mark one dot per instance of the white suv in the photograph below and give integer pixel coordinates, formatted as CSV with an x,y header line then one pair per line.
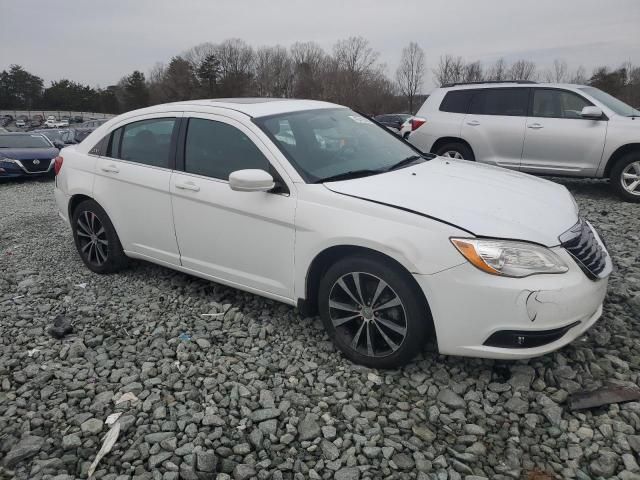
x,y
547,129
311,204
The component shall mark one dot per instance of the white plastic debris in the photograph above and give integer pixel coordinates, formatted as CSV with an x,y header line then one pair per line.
x,y
32,352
107,444
111,419
372,377
128,397
81,285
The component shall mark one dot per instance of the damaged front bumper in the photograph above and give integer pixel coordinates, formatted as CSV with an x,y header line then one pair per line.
x,y
481,315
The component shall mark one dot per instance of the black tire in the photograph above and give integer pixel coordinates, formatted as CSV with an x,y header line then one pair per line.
x,y
456,147
106,254
616,177
412,315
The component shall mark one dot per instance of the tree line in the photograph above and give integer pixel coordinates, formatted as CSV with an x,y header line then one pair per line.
x,y
351,74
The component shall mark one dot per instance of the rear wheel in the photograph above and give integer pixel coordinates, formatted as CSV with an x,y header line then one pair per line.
x,y
625,177
456,150
373,312
96,239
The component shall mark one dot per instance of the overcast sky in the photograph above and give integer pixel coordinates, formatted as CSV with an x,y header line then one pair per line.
x,y
97,42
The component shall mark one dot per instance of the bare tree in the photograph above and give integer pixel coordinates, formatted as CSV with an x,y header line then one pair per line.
x,y
308,60
473,72
450,69
273,72
498,72
236,64
579,76
353,62
522,70
410,73
558,73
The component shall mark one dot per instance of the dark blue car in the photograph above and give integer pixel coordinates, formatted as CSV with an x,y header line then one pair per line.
x,y
26,154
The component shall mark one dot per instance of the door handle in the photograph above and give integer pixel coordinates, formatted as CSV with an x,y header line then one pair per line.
x,y
473,123
110,169
188,186
535,126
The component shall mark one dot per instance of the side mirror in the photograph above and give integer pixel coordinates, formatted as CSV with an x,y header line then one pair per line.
x,y
58,144
594,113
251,180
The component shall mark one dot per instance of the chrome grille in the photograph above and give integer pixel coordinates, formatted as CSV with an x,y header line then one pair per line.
x,y
581,243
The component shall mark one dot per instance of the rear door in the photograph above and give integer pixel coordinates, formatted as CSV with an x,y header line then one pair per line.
x,y
244,239
558,139
132,184
495,124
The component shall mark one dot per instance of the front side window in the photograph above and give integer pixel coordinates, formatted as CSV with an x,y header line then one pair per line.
x,y
500,101
552,103
147,142
215,149
325,143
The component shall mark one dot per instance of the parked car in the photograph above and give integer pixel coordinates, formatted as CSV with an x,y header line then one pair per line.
x,y
35,123
394,248
5,120
21,123
547,129
392,121
92,123
76,119
81,133
59,137
26,154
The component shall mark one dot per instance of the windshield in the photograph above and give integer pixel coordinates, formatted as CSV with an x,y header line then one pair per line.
x,y
326,143
618,106
24,141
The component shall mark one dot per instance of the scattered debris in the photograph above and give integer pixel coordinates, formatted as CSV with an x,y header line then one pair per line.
x,y
538,475
81,285
107,444
602,396
32,352
111,419
372,377
60,328
185,337
128,397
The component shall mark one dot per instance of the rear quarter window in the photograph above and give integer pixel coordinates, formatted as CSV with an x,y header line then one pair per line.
x,y
456,101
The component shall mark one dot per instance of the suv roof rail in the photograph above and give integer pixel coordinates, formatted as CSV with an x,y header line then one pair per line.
x,y
455,84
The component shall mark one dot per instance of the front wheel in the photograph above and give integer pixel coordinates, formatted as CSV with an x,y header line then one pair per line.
x,y
373,312
625,177
456,150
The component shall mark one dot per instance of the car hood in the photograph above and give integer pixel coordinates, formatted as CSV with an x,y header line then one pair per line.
x,y
29,153
484,200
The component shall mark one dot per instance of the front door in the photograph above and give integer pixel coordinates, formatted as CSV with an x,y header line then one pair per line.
x,y
243,239
557,139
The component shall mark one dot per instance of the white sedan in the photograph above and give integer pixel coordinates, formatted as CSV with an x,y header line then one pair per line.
x,y
311,204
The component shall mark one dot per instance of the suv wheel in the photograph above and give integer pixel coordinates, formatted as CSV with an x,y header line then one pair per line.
x,y
96,239
625,177
456,150
373,313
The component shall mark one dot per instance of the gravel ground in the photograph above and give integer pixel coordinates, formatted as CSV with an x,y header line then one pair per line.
x,y
254,390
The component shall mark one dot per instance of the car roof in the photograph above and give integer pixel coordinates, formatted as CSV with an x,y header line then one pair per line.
x,y
253,107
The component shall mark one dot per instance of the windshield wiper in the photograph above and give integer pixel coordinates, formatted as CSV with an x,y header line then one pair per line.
x,y
350,174
405,162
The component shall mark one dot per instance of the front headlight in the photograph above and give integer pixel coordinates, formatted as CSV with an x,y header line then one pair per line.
x,y
509,258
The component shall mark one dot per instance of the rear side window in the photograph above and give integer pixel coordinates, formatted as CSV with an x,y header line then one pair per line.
x,y
500,101
456,101
147,142
215,149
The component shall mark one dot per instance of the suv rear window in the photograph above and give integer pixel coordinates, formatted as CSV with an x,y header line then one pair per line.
x,y
500,101
457,101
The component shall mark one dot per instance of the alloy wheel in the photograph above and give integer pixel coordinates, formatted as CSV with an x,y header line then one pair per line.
x,y
367,314
92,238
453,154
630,178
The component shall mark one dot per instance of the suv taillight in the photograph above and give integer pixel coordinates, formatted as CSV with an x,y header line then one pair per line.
x,y
57,164
416,123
